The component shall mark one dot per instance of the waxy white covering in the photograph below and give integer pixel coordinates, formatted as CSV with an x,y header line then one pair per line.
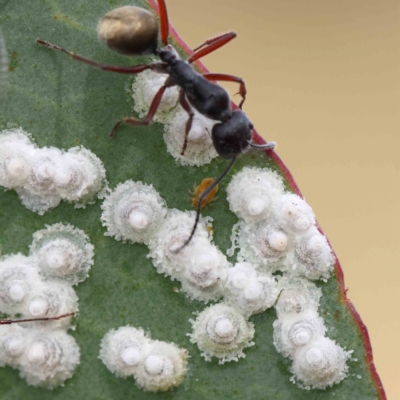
x,y
43,177
40,286
156,366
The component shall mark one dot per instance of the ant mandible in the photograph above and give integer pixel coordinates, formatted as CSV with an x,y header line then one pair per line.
x,y
134,31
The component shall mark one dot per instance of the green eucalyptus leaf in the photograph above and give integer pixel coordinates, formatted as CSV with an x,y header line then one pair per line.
x,y
64,103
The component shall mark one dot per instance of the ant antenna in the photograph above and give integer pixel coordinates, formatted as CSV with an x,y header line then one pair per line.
x,y
267,146
17,321
200,201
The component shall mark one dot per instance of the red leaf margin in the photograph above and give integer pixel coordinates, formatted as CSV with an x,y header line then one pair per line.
x,y
293,185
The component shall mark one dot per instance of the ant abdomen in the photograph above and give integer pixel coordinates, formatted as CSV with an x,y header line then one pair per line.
x,y
129,30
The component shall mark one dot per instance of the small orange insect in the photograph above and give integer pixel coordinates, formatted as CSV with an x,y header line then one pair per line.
x,y
205,183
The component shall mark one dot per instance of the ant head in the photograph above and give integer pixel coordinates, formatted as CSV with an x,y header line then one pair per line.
x,y
232,136
129,30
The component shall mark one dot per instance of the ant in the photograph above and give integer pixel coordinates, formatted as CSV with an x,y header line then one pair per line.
x,y
18,321
133,31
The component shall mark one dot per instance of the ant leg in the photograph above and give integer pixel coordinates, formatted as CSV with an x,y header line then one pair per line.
x,y
229,78
152,110
214,39
16,321
200,201
186,106
211,45
135,69
164,24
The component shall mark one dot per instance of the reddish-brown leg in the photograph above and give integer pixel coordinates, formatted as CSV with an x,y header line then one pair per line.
x,y
229,78
186,106
214,39
136,69
16,321
150,115
211,45
164,23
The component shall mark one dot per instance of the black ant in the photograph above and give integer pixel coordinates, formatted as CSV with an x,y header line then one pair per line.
x,y
134,31
18,321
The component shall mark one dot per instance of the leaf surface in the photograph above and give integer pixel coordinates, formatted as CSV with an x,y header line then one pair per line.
x,y
65,103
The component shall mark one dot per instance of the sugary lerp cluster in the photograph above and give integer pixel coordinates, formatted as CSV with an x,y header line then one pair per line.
x,y
200,266
156,366
276,230
200,149
40,286
135,212
299,334
223,330
42,177
145,87
250,290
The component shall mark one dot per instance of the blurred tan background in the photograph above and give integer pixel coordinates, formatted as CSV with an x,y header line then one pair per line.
x,y
323,81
